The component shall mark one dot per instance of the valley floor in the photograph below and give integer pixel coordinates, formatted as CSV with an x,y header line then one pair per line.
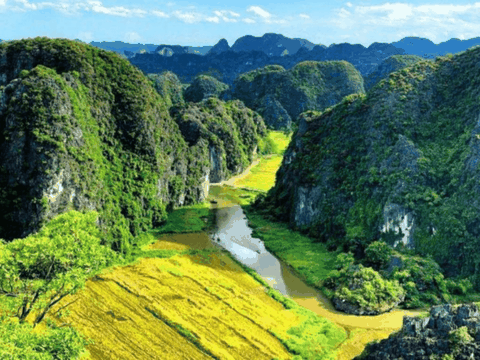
x,y
184,298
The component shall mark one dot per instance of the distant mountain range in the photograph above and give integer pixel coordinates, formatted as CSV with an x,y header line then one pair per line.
x,y
132,49
250,52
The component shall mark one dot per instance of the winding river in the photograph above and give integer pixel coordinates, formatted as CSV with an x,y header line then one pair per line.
x,y
233,234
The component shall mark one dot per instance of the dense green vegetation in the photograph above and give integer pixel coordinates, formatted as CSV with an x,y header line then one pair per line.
x,y
229,127
389,65
280,95
202,87
102,138
411,142
18,342
39,271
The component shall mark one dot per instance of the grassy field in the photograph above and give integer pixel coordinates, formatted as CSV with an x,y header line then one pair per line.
x,y
193,304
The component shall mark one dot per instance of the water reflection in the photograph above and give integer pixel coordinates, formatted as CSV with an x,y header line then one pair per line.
x,y
233,234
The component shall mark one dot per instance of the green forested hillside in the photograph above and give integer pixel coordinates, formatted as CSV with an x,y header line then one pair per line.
x,y
81,128
398,165
280,95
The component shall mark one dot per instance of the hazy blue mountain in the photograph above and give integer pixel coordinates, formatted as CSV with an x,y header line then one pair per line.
x,y
219,47
271,44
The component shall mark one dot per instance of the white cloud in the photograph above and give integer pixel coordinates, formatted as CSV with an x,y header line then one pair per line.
x,y
188,18
213,19
159,14
27,5
86,36
343,13
3,2
257,10
304,16
448,9
395,20
248,21
132,37
223,14
97,6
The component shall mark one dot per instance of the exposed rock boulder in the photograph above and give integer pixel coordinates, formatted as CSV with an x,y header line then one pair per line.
x,y
309,85
203,87
389,65
219,47
450,332
404,157
81,128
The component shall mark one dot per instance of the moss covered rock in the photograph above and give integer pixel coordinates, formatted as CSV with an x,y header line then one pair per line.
x,y
387,66
203,87
400,164
309,85
447,332
81,128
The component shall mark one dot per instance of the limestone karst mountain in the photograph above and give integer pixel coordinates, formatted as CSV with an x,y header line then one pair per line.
x,y
202,87
169,87
389,65
219,47
271,44
426,48
280,95
399,164
84,129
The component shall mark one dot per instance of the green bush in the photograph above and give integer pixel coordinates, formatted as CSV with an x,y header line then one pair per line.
x,y
378,254
362,287
18,342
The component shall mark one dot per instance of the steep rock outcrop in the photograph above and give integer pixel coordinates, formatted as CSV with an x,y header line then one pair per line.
x,y
309,85
389,65
81,128
203,87
449,332
228,129
219,47
400,164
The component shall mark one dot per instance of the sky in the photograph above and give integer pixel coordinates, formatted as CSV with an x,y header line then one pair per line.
x,y
203,23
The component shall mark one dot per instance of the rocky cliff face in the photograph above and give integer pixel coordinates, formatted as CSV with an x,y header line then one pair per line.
x,y
447,333
83,129
389,65
280,95
229,131
398,164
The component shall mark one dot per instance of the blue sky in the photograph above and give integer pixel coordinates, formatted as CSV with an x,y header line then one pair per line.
x,y
204,23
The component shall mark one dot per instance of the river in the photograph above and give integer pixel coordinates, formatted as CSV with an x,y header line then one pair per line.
x,y
233,234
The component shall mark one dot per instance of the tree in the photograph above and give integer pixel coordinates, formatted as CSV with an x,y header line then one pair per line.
x,y
40,270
